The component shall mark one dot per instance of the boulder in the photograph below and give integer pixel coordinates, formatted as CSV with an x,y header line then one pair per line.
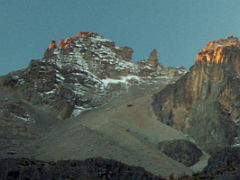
x,y
182,151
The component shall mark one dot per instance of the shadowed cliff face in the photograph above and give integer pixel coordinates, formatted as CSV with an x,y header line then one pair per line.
x,y
205,102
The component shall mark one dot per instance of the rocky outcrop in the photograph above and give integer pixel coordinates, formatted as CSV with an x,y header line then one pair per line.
x,y
205,101
52,45
152,65
182,151
50,49
95,168
153,58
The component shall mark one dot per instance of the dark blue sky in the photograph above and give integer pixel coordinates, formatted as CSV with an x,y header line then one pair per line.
x,y
178,29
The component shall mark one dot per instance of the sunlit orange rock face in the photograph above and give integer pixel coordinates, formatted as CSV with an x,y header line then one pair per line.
x,y
214,50
67,43
205,102
52,45
62,44
49,52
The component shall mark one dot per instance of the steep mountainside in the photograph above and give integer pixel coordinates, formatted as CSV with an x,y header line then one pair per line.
x,y
205,101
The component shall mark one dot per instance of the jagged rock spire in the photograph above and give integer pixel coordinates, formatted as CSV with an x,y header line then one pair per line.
x,y
52,45
153,58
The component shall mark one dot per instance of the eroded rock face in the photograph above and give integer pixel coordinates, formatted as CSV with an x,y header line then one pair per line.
x,y
205,101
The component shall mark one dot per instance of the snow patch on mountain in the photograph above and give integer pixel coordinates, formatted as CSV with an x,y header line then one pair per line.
x,y
78,110
124,80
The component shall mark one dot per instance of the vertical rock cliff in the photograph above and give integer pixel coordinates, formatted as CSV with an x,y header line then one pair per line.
x,y
205,102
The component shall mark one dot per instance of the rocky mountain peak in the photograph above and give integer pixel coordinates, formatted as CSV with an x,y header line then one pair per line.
x,y
83,72
101,54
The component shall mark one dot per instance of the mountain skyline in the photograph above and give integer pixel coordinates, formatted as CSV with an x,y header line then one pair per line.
x,y
87,99
176,29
